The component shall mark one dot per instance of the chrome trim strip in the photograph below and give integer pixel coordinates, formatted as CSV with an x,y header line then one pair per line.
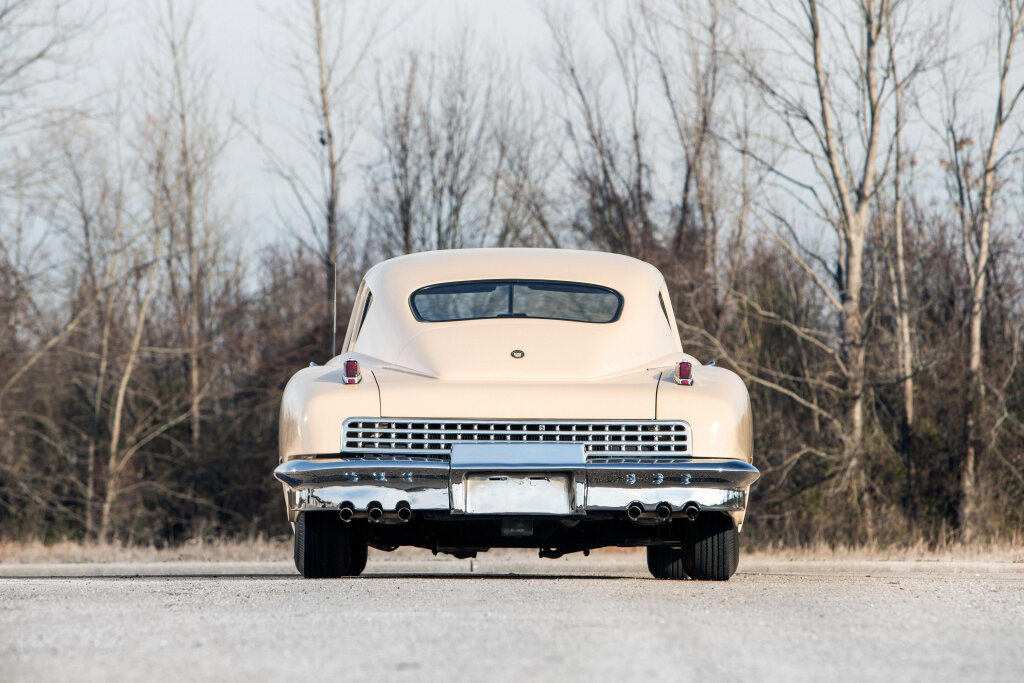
x,y
432,484
332,497
713,484
616,499
698,473
308,474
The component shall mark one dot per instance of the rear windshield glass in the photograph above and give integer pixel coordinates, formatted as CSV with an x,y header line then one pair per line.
x,y
516,299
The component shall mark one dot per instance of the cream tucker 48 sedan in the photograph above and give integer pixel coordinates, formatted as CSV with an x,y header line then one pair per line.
x,y
535,398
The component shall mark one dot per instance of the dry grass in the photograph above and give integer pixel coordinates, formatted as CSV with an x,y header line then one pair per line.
x,y
196,550
913,552
279,549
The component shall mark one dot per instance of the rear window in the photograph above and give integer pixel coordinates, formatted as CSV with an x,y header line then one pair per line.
x,y
516,299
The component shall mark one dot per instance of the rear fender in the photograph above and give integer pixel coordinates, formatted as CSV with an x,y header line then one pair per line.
x,y
717,407
316,402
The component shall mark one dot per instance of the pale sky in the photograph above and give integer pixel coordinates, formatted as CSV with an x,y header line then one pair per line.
x,y
242,40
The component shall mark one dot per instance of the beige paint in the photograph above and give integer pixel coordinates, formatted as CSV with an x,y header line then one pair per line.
x,y
464,369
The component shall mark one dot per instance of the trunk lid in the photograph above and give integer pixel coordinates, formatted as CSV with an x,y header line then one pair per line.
x,y
627,396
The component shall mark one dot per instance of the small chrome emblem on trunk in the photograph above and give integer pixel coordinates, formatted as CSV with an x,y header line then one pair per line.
x,y
518,353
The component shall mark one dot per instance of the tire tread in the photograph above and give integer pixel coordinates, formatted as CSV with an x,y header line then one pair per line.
x,y
325,549
665,563
711,552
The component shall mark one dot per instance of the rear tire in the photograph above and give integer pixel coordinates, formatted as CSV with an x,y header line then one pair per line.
x,y
326,548
711,547
359,553
665,563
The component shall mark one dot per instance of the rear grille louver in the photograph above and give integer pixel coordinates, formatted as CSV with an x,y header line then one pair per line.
x,y
434,438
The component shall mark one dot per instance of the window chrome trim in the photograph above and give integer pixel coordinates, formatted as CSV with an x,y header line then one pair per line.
x,y
519,281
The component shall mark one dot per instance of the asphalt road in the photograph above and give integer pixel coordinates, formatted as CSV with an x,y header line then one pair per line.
x,y
511,618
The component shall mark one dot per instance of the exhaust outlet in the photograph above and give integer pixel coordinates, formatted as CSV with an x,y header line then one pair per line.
x,y
347,511
374,511
404,511
634,510
664,510
691,510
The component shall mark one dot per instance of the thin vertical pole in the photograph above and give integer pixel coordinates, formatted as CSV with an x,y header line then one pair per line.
x,y
334,312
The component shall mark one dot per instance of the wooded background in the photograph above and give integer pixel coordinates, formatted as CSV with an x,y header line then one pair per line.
x,y
832,191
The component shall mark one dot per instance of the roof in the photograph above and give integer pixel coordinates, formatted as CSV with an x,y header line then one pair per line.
x,y
467,348
409,273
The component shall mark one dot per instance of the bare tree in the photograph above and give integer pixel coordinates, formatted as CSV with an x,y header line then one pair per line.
x,y
96,203
523,173
330,43
177,144
975,192
899,270
119,456
710,116
183,142
785,189
35,36
434,184
688,58
34,40
396,191
609,166
838,125
913,48
456,135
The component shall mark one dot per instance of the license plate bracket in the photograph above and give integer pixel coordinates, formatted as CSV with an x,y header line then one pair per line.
x,y
547,493
518,478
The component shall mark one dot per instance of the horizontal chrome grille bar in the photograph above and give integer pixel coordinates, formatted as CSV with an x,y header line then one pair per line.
x,y
636,460
658,438
387,457
647,428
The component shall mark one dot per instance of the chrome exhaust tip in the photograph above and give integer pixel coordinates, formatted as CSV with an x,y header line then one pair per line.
x,y
664,511
404,511
691,510
347,511
374,511
634,510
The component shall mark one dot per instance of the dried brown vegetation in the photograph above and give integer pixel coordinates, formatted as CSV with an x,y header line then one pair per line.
x,y
830,192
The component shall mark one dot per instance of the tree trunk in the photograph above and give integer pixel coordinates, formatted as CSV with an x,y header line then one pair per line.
x,y
90,492
979,270
97,412
333,177
114,460
903,323
853,343
898,275
906,350
854,206
191,246
975,378
108,505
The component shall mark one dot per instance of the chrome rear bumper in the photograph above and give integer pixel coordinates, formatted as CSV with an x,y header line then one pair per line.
x,y
605,484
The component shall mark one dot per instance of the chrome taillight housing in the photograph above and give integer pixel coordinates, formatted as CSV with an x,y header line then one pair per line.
x,y
684,373
351,371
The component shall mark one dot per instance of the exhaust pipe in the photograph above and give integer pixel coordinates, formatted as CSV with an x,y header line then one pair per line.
x,y
634,511
404,511
664,510
374,511
691,510
347,511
